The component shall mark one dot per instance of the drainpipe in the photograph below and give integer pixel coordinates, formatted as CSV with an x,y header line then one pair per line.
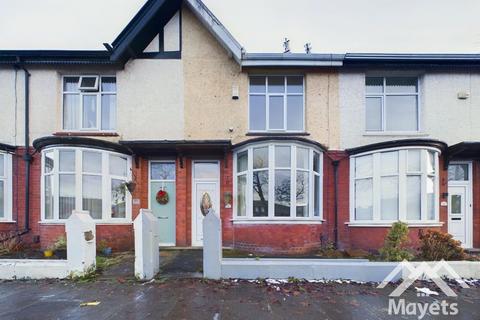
x,y
335,203
27,157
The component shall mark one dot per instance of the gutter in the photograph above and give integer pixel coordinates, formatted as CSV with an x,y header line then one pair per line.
x,y
292,60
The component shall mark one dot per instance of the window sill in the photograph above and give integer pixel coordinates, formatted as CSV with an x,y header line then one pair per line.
x,y
85,134
277,221
389,224
395,133
96,222
8,221
275,134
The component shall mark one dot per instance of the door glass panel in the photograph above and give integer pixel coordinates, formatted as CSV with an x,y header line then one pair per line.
x,y
458,172
206,170
456,204
162,171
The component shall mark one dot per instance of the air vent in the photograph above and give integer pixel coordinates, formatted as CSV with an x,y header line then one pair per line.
x,y
88,83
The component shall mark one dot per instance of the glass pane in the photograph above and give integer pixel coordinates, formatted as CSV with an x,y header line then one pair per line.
x,y
88,82
162,171
2,165
295,84
302,158
89,112
414,164
364,166
258,113
119,194
456,204
70,84
71,105
92,195
260,194
389,162
67,160
257,84
206,170
2,199
295,113
282,156
316,162
282,193
260,158
389,198
67,195
276,84
49,162
275,113
374,84
242,161
109,111
430,198
48,197
458,172
118,166
401,85
316,196
109,84
92,162
373,116
414,207
302,194
363,199
241,196
431,162
401,113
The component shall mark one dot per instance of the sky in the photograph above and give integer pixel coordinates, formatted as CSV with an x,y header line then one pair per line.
x,y
331,26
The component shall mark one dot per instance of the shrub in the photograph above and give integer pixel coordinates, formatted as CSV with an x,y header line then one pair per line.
x,y
10,243
436,245
396,240
60,244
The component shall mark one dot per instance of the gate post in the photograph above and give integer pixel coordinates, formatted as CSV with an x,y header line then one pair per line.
x,y
81,243
212,246
147,256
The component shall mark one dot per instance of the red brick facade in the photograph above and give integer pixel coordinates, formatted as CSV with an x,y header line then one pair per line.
x,y
273,238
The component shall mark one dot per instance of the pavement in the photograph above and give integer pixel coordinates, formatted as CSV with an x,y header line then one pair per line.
x,y
177,293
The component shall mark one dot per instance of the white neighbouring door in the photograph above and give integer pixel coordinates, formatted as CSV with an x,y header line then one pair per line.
x,y
460,224
206,179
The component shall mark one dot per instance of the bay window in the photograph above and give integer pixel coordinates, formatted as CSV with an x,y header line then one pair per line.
x,y
393,185
278,181
5,187
392,104
89,103
85,179
276,103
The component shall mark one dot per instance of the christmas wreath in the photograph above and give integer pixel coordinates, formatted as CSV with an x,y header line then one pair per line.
x,y
162,197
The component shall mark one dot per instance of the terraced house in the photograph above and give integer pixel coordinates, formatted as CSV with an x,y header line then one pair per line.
x,y
295,150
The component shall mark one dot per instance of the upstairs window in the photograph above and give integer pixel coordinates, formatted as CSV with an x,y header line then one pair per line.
x,y
276,104
89,103
392,104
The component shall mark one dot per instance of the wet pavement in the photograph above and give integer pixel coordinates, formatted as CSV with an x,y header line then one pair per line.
x,y
201,299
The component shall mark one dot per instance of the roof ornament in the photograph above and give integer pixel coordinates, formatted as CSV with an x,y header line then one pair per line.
x,y
308,48
286,45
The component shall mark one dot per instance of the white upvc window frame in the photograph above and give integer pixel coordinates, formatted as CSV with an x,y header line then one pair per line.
x,y
6,177
271,218
98,92
403,173
383,96
285,96
106,184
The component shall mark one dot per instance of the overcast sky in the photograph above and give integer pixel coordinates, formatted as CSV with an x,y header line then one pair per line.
x,y
332,26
